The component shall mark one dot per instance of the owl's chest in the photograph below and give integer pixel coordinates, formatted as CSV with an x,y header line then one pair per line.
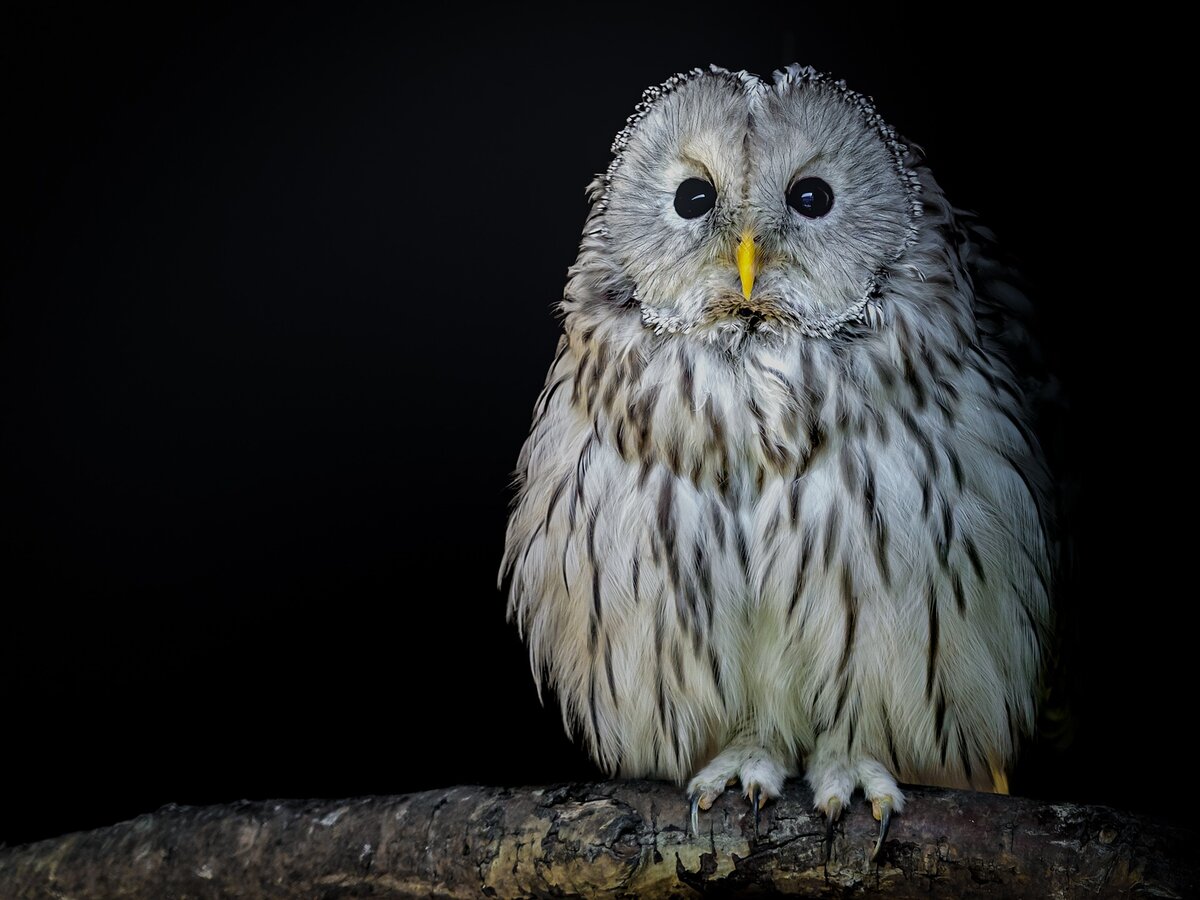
x,y
736,425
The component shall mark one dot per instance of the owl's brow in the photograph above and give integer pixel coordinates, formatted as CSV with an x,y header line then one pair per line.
x,y
808,163
698,163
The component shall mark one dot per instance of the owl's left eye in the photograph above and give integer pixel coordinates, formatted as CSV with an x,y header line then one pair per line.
x,y
811,197
694,197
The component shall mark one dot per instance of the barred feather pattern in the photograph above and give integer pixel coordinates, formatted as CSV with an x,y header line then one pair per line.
x,y
807,539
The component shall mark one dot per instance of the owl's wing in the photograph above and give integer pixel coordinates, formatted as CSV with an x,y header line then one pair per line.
x,y
1011,329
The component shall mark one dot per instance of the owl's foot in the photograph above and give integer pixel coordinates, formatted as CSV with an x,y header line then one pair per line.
x,y
833,777
761,772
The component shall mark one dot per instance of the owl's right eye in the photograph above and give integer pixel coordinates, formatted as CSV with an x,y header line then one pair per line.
x,y
811,197
694,197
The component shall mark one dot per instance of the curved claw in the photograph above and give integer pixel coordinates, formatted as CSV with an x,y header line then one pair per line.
x,y
695,798
833,810
756,802
881,808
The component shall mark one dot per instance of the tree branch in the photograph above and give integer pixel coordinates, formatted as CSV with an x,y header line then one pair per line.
x,y
626,838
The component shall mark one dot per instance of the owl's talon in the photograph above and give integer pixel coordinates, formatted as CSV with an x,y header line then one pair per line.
x,y
881,809
833,810
695,799
756,802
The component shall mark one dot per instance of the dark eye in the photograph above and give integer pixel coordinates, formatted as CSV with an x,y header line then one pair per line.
x,y
694,198
811,197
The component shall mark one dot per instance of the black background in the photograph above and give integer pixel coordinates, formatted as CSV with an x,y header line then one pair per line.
x,y
277,292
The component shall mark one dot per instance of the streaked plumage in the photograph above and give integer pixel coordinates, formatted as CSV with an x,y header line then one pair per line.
x,y
806,527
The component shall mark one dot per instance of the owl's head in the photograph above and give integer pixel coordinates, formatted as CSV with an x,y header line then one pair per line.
x,y
734,207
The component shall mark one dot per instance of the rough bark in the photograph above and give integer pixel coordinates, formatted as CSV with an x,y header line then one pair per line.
x,y
620,839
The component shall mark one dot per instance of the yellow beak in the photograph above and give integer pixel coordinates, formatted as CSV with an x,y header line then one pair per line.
x,y
746,263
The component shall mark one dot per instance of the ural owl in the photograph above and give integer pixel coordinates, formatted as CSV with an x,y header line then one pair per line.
x,y
781,504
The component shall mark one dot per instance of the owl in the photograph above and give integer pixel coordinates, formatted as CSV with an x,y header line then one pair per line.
x,y
781,505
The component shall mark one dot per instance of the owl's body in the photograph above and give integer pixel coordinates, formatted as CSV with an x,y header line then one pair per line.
x,y
803,521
